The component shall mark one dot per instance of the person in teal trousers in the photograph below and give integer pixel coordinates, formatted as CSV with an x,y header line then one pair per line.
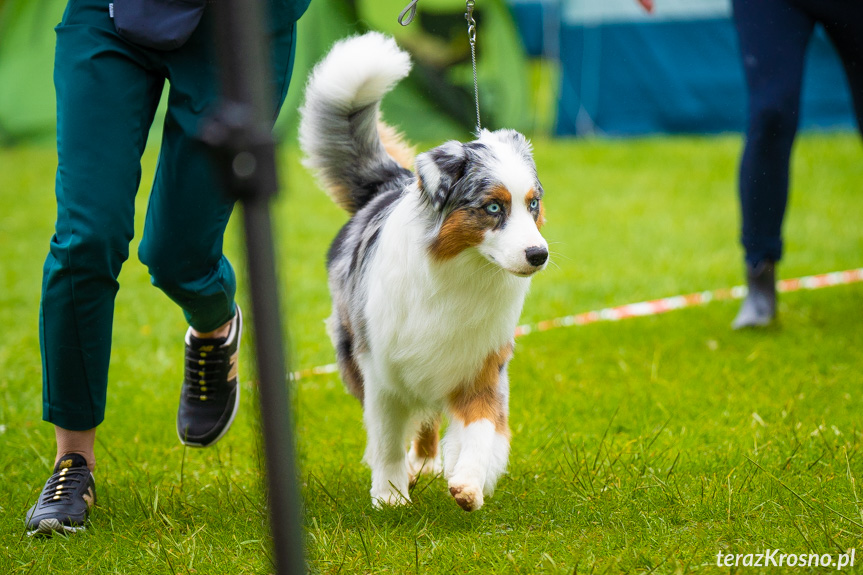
x,y
108,89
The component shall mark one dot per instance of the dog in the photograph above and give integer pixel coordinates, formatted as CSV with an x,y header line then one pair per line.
x,y
427,278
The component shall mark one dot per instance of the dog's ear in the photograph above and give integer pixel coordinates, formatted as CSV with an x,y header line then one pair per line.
x,y
439,170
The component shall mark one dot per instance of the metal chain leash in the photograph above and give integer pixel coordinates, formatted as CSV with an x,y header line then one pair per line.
x,y
406,16
471,34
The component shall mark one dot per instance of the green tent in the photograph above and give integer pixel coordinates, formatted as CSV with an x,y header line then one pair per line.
x,y
434,103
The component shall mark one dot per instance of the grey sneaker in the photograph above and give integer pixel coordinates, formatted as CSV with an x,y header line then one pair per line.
x,y
759,307
65,502
211,392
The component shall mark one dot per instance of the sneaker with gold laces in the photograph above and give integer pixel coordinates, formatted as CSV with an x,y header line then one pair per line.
x,y
211,392
65,502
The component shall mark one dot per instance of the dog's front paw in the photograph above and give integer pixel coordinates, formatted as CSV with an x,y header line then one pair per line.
x,y
389,498
418,465
468,495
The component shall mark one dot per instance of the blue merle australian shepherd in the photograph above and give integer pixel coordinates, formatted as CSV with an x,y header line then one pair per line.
x,y
428,277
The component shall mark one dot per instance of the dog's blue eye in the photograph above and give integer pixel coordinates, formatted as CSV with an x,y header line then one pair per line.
x,y
493,208
534,203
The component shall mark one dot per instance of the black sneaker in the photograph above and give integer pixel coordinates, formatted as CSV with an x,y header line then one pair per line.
x,y
211,394
65,501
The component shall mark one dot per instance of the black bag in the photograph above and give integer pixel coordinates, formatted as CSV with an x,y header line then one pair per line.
x,y
158,24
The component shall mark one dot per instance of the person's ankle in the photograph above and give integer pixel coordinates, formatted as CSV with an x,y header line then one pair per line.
x,y
80,442
90,458
220,332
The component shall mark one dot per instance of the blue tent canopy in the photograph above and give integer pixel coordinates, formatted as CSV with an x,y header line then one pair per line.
x,y
625,72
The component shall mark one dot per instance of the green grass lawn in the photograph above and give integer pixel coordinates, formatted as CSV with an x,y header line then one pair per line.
x,y
646,445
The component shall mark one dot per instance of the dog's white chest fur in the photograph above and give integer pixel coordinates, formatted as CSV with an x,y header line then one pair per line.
x,y
433,324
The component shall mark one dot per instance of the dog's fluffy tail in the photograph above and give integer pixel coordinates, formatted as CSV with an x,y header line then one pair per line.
x,y
344,142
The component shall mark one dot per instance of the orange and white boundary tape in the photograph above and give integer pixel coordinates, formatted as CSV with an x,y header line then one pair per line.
x,y
655,307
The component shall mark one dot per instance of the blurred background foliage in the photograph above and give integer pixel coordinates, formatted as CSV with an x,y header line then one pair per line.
x,y
436,101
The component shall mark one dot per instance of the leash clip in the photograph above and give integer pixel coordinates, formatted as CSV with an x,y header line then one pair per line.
x,y
471,23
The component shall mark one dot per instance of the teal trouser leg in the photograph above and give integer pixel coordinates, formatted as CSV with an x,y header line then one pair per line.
x,y
107,93
106,99
188,209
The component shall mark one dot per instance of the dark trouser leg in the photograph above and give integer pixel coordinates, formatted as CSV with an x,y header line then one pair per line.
x,y
184,232
105,104
188,209
773,37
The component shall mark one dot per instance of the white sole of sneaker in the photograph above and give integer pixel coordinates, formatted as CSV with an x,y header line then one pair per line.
x,y
51,526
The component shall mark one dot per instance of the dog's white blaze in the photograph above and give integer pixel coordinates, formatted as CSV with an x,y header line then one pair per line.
x,y
511,169
507,246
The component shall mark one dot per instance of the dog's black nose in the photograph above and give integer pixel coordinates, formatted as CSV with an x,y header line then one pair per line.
x,y
536,255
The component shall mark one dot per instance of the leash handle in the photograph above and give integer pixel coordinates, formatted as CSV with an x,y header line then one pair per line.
x,y
406,16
